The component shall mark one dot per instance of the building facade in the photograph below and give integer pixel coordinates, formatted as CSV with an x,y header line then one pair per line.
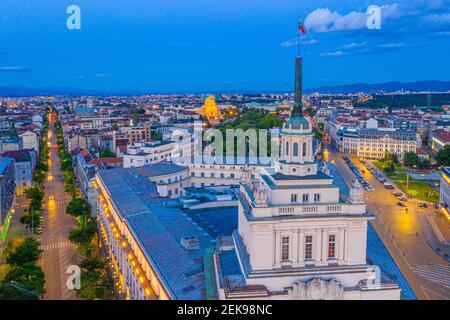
x,y
7,187
23,168
376,143
298,237
30,141
439,140
445,192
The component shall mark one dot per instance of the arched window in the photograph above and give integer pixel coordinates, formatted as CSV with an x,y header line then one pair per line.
x,y
287,148
304,149
295,149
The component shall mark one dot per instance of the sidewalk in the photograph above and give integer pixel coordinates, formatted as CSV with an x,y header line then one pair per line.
x,y
435,238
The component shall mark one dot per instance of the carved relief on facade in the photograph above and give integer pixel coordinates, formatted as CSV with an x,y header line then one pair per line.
x,y
316,289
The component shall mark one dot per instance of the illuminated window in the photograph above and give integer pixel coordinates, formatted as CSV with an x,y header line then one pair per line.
x,y
284,248
308,247
331,246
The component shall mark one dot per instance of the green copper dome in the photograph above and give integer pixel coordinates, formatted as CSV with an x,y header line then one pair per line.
x,y
297,122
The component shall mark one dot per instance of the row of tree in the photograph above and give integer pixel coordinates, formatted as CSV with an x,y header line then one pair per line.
x,y
41,168
65,160
95,279
25,280
32,215
411,159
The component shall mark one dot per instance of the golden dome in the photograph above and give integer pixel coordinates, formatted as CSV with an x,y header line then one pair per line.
x,y
210,109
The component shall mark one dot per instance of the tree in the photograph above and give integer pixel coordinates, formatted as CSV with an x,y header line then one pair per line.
x,y
106,153
94,279
36,196
31,218
411,159
390,169
28,251
443,156
24,282
78,207
425,164
83,236
157,135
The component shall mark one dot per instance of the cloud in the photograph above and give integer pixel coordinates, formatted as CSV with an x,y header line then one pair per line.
x,y
439,18
325,20
355,45
14,69
332,54
293,42
393,45
103,75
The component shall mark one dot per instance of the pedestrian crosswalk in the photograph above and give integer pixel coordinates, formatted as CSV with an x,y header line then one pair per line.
x,y
439,273
56,245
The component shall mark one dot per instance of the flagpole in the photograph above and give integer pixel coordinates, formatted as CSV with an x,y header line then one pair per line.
x,y
298,37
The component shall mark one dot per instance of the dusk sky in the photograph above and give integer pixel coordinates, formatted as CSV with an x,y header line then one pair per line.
x,y
220,46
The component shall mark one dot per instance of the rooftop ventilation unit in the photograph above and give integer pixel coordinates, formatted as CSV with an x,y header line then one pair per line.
x,y
190,243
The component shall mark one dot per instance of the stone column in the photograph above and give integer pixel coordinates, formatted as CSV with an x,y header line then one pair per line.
x,y
317,241
301,246
340,246
324,246
277,249
294,249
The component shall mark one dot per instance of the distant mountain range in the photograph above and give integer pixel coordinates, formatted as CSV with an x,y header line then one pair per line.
x,y
429,85
21,91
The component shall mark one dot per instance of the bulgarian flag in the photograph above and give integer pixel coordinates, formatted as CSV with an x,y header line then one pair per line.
x,y
301,26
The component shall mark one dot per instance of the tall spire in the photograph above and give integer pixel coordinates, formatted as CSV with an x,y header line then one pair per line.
x,y
298,105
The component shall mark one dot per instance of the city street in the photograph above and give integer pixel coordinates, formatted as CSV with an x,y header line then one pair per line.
x,y
58,253
403,231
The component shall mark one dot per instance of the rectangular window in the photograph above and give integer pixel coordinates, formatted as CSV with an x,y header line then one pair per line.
x,y
308,247
293,198
284,248
306,197
331,246
317,197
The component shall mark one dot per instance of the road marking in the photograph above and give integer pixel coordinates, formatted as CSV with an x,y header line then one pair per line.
x,y
433,292
437,273
56,245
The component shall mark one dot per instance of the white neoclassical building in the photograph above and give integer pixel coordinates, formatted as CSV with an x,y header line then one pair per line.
x,y
298,237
